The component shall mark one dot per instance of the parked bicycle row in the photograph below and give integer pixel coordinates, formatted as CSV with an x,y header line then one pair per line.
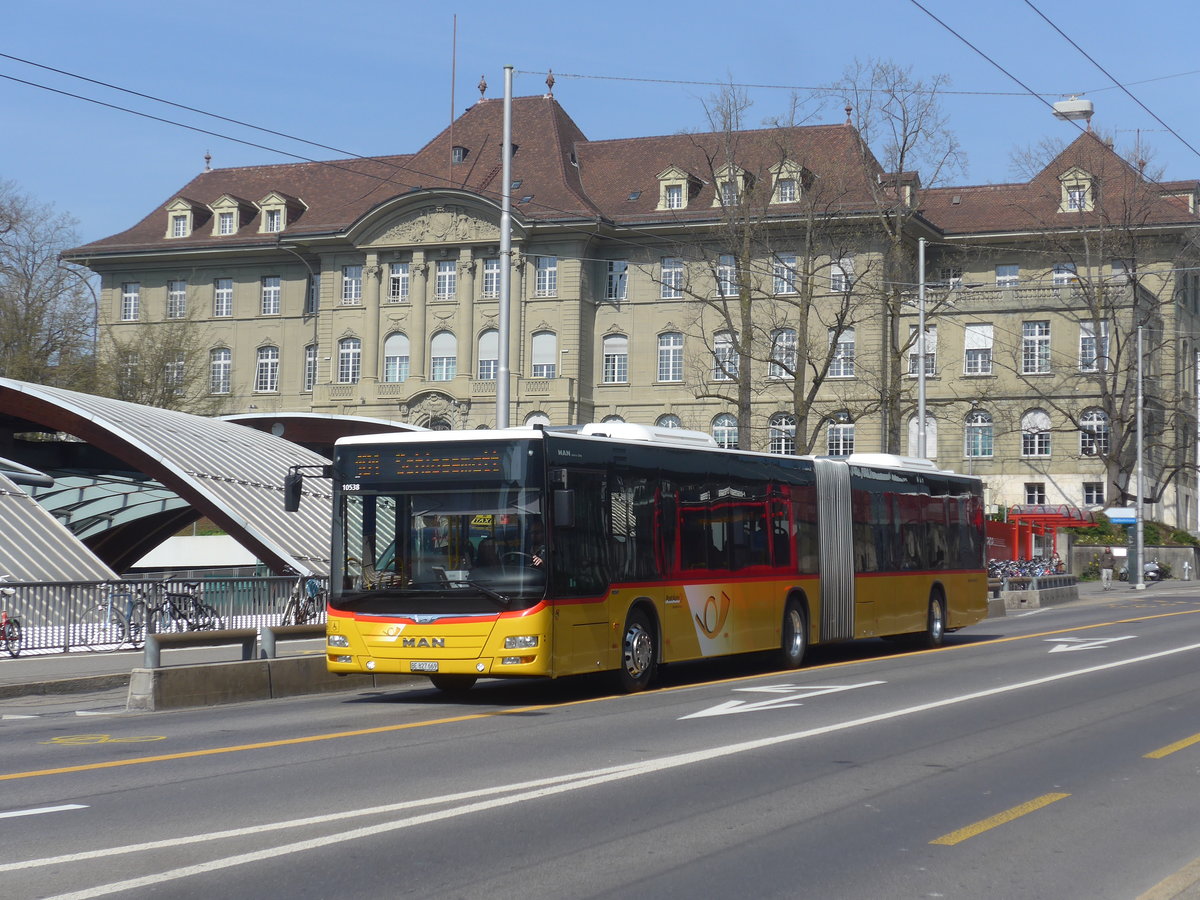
x,y
1026,568
118,615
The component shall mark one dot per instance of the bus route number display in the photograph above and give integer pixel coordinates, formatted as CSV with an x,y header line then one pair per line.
x,y
393,463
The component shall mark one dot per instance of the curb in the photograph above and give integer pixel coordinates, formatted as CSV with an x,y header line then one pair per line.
x,y
83,684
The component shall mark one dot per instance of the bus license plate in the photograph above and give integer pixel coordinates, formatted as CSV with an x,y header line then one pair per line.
x,y
423,665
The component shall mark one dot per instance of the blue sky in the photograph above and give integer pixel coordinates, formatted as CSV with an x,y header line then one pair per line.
x,y
374,77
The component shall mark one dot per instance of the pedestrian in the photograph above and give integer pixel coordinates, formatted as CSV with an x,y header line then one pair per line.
x,y
1107,562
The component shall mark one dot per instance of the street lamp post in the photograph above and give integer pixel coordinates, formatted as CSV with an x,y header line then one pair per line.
x,y
921,349
1139,530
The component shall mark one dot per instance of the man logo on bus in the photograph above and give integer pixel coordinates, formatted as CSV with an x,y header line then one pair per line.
x,y
714,615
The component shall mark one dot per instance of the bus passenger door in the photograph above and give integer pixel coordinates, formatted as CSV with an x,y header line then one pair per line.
x,y
581,574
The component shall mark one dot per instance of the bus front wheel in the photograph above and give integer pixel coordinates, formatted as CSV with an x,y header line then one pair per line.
x,y
453,684
794,642
639,653
935,623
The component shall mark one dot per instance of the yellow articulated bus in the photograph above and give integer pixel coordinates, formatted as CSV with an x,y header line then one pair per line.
x,y
544,552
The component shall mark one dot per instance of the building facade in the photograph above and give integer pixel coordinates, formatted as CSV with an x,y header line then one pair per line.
x,y
736,283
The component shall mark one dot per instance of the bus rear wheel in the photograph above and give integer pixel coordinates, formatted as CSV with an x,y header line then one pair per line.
x,y
935,623
794,641
639,653
453,684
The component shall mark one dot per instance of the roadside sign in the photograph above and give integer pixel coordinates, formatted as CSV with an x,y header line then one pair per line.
x,y
1121,515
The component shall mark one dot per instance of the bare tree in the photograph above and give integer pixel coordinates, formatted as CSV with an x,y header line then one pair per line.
x,y
47,307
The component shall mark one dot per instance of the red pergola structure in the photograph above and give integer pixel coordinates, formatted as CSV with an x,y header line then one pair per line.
x,y
1023,521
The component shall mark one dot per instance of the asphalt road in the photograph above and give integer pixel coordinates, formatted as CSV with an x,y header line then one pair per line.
x,y
1048,755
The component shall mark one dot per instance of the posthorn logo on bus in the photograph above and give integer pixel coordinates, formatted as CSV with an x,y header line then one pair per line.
x,y
423,642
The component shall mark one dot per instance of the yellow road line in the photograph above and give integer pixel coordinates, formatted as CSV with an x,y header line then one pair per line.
x,y
957,837
1171,748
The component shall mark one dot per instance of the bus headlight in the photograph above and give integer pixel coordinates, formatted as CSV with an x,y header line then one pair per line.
x,y
521,642
516,660
343,659
339,640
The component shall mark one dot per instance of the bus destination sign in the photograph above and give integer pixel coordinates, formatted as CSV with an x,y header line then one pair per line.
x,y
402,462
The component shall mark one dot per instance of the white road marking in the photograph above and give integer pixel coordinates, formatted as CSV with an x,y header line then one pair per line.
x,y
1074,643
549,787
16,813
791,695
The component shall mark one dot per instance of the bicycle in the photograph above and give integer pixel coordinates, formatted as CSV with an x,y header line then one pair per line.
x,y
109,624
173,610
10,627
306,601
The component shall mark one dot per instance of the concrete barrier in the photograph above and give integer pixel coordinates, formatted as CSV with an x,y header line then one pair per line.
x,y
212,684
1036,591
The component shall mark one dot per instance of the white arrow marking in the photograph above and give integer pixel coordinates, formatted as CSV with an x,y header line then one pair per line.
x,y
1071,643
12,814
793,696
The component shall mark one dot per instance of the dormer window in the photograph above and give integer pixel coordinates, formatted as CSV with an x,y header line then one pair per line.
x,y
181,225
732,185
272,220
1078,191
675,188
788,180
458,154
278,211
229,212
184,216
226,223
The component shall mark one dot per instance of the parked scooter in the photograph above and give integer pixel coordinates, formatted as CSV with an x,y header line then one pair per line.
x,y
1151,571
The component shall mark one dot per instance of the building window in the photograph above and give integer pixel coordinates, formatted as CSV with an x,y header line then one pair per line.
x,y
273,220
489,355
1035,348
616,359
1093,433
1064,274
1093,349
458,154
842,363
725,431
668,420
349,368
785,190
725,357
785,273
351,285
179,225
977,350
729,193
131,301
841,275
443,357
670,356
545,354
270,295
313,300
446,283
220,364
1035,433
310,367
1077,198
979,435
1035,493
914,350
491,278
225,223
951,277
545,280
1121,269
1008,275
727,279
395,358
1093,493
398,282
176,299
782,433
617,281
266,373
840,438
222,298
671,280
783,354
914,439
673,196
173,373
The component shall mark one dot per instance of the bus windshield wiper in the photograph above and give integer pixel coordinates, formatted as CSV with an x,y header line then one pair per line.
x,y
500,599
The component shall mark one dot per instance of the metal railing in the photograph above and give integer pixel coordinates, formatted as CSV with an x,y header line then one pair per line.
x,y
61,617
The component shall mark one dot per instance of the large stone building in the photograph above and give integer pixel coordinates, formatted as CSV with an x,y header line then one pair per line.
x,y
761,285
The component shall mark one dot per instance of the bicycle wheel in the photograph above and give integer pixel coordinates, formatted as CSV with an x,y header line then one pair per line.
x,y
292,613
204,618
102,627
135,625
12,637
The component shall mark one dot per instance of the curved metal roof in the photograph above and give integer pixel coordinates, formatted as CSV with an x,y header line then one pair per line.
x,y
233,475
37,547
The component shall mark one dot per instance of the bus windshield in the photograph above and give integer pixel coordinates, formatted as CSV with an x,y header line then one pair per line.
x,y
455,550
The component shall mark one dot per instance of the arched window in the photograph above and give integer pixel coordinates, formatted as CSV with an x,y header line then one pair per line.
x,y
840,437
349,360
310,367
220,364
537,418
980,434
725,430
613,419
670,356
668,421
545,354
443,356
1035,433
395,357
489,355
782,431
783,353
615,348
266,372
1093,433
930,437
725,358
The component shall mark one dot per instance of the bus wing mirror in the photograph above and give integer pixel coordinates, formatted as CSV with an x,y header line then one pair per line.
x,y
564,509
293,481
